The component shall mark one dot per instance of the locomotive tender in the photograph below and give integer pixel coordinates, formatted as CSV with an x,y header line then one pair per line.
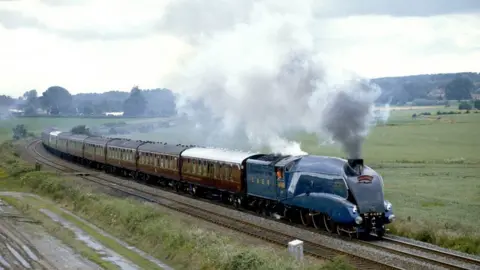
x,y
342,196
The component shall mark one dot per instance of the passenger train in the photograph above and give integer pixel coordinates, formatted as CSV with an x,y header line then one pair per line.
x,y
341,196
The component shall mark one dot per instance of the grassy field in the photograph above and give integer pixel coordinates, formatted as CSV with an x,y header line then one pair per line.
x,y
431,170
430,166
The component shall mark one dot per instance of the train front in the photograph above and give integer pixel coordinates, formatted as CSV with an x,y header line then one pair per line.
x,y
366,186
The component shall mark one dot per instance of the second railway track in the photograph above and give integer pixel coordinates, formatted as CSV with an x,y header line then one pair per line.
x,y
270,235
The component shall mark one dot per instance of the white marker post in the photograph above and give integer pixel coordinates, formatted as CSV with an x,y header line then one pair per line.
x,y
295,248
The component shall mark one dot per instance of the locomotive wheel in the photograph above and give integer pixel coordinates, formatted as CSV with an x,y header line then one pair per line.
x,y
176,186
317,221
305,217
328,223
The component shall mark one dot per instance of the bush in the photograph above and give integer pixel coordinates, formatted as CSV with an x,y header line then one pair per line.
x,y
476,104
19,132
81,129
465,106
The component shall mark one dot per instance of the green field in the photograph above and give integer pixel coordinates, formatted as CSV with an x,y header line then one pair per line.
x,y
431,169
37,124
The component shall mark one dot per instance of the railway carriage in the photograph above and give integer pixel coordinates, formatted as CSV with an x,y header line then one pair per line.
x,y
75,146
45,136
215,168
94,151
62,143
121,155
160,160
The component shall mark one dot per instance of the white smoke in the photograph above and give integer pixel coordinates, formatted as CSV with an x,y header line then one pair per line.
x,y
260,76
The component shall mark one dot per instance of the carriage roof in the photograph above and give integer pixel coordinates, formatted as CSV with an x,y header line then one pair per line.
x,y
78,137
64,135
124,143
217,154
55,132
169,149
97,140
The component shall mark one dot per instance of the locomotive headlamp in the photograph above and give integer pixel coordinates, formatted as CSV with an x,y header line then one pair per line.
x,y
391,218
354,209
388,205
359,220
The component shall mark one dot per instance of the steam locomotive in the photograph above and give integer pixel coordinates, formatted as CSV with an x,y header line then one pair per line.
x,y
341,196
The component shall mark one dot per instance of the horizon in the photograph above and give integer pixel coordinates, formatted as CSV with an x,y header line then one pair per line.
x,y
125,90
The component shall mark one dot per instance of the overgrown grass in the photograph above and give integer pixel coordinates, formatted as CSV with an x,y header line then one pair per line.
x,y
166,237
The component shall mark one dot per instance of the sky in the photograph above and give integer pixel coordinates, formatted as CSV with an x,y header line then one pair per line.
x,y
102,45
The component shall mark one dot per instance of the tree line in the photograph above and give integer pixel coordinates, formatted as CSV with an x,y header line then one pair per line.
x,y
57,100
427,89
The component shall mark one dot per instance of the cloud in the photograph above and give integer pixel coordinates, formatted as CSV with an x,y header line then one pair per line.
x,y
399,8
100,45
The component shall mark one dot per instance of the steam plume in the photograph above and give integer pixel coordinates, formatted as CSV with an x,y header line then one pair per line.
x,y
262,75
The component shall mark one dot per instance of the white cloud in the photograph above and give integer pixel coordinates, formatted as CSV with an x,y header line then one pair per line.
x,y
103,45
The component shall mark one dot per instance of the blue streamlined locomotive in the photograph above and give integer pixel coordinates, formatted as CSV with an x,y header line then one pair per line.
x,y
341,196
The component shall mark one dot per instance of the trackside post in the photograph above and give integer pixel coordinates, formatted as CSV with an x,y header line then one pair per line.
x,y
295,248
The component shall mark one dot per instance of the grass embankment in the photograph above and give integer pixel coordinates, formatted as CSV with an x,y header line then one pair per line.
x,y
143,225
431,171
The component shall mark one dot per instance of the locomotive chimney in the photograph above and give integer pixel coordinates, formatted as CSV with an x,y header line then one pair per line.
x,y
356,164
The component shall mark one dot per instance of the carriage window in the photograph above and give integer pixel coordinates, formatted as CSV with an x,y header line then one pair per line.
x,y
199,167
194,166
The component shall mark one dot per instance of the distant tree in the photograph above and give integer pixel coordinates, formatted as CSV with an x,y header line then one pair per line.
x,y
6,100
56,99
459,88
476,104
135,104
88,110
465,106
32,102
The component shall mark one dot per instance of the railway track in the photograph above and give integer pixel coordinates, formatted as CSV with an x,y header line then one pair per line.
x,y
444,259
434,257
274,236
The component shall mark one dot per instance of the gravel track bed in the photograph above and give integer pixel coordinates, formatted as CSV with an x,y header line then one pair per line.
x,y
296,233
412,250
431,246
